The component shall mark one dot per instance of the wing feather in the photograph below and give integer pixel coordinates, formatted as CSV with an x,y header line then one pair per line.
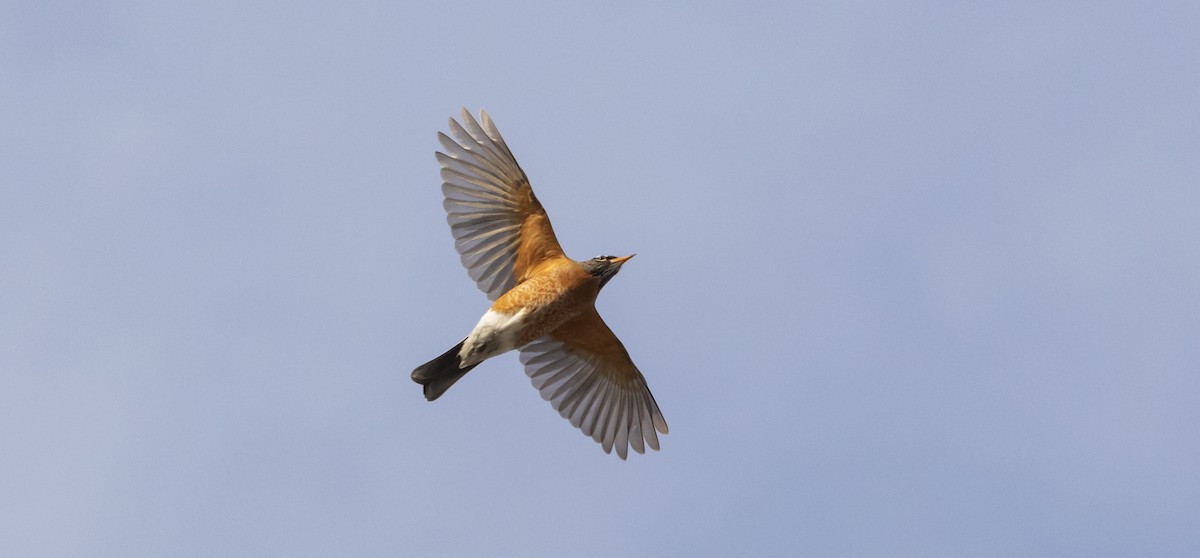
x,y
585,373
500,229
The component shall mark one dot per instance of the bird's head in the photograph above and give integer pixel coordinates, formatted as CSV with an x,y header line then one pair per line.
x,y
605,267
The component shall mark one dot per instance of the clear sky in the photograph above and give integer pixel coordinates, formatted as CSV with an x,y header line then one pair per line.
x,y
913,279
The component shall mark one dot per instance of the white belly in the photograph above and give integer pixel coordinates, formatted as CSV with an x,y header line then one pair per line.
x,y
495,333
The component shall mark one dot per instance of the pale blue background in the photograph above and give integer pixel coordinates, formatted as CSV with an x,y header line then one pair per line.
x,y
914,279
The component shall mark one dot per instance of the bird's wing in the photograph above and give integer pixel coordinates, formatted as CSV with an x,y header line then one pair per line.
x,y
584,371
500,229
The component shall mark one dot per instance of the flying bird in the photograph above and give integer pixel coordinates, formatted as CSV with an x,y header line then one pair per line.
x,y
543,303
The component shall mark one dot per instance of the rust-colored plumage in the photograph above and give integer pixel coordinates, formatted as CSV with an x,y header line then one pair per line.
x,y
544,302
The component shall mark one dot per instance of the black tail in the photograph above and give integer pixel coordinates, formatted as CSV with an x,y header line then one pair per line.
x,y
440,373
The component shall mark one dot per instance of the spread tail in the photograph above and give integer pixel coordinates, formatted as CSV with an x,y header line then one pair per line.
x,y
440,373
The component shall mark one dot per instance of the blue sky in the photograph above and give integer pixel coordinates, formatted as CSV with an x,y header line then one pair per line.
x,y
913,280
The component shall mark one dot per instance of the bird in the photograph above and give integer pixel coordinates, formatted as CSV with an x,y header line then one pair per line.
x,y
543,303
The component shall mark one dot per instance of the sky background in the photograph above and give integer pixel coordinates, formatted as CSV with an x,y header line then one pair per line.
x,y
916,279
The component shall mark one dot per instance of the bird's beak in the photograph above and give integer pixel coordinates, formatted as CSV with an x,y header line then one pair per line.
x,y
620,261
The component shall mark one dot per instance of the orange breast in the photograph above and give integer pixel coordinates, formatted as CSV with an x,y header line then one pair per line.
x,y
555,292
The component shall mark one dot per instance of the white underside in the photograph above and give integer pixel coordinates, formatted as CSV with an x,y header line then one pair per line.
x,y
495,334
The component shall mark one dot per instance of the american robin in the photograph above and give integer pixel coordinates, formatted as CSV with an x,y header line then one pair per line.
x,y
543,301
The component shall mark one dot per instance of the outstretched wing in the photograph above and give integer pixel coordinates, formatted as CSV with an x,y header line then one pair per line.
x,y
500,229
584,371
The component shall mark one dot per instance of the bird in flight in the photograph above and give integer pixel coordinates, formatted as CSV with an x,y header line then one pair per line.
x,y
543,303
